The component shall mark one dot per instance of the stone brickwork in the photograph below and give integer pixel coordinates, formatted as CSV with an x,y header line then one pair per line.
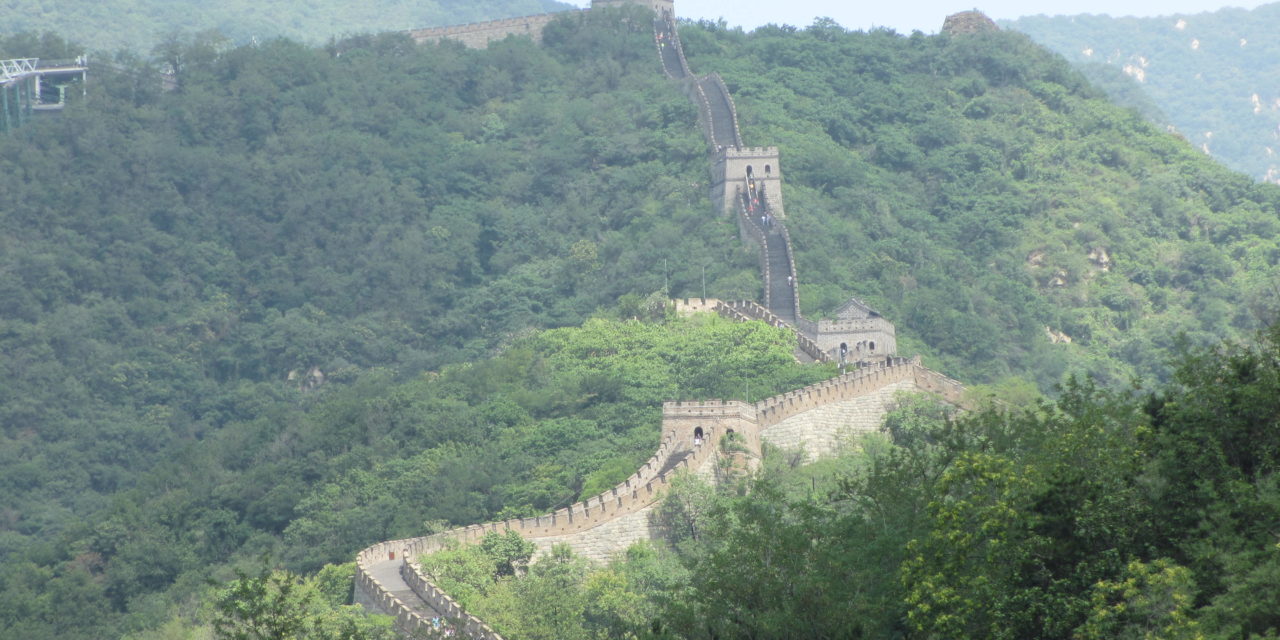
x,y
825,430
479,35
864,339
731,169
815,419
608,540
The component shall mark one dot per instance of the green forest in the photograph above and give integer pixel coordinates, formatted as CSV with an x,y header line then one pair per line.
x,y
318,297
1211,75
137,26
1102,515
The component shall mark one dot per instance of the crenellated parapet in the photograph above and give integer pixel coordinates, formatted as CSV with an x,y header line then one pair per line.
x,y
478,35
818,419
733,169
604,525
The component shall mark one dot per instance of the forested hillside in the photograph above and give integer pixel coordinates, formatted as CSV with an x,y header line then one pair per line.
x,y
1102,516
139,25
187,276
1214,75
994,205
236,317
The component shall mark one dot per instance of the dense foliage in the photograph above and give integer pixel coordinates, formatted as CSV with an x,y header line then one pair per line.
x,y
205,291
1104,515
139,25
233,315
1214,75
559,415
987,200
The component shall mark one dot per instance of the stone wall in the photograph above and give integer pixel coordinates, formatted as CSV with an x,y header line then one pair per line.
x,y
823,431
864,338
814,419
480,34
729,173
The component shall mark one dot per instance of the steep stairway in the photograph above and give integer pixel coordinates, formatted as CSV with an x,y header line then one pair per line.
x,y
669,49
782,291
724,130
386,582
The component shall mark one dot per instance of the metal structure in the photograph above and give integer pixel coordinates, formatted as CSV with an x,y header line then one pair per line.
x,y
27,86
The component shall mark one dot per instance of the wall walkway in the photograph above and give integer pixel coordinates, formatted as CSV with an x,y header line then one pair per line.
x,y
817,419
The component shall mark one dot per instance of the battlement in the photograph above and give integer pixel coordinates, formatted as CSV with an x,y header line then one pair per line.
x,y
813,418
855,326
478,35
751,152
690,306
708,409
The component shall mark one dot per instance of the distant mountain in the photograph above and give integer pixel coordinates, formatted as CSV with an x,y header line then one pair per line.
x,y
1216,76
138,25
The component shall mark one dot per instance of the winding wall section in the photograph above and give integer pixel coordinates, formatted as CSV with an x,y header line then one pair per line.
x,y
817,419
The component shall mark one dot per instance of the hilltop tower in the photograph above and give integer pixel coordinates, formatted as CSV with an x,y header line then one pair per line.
x,y
735,168
690,425
857,334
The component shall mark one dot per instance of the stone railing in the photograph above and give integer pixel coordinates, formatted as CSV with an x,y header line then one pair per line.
x,y
667,27
753,229
949,389
408,617
693,89
849,326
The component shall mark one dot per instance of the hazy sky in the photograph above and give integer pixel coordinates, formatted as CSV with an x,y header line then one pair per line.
x,y
925,15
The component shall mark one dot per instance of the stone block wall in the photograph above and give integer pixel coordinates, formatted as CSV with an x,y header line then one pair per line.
x,y
825,430
814,419
864,338
729,173
480,34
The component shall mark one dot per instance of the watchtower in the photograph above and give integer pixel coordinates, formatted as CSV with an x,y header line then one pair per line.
x,y
735,169
857,334
691,425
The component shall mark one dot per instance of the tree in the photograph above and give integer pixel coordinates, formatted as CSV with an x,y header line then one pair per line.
x,y
278,605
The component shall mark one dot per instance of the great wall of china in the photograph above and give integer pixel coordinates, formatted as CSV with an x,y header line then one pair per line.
x,y
817,420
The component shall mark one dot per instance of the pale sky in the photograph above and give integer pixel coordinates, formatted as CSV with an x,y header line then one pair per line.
x,y
926,15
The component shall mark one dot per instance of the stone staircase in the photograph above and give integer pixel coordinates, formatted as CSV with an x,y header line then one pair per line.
x,y
389,579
